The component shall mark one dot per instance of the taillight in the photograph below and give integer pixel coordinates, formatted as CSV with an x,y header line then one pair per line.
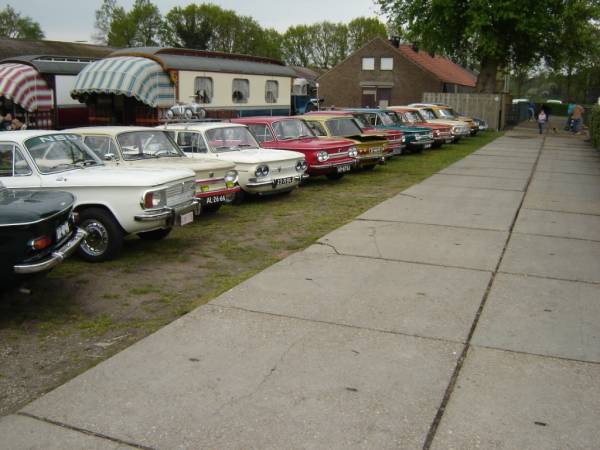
x,y
40,243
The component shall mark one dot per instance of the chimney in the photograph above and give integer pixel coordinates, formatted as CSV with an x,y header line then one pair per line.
x,y
395,41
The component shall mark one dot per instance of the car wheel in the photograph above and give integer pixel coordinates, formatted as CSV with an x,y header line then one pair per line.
x,y
104,238
334,175
211,209
155,235
239,197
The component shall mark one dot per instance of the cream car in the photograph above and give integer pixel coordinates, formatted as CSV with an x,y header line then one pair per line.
x,y
459,129
261,171
110,202
216,181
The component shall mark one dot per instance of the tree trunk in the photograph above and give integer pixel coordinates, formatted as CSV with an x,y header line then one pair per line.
x,y
486,81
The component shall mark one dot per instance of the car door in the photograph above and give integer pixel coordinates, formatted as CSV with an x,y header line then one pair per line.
x,y
15,170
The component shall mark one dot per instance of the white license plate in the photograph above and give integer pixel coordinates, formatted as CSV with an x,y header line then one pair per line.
x,y
186,218
281,181
448,141
427,146
62,230
344,168
215,199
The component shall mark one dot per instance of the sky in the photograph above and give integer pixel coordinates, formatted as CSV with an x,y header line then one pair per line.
x,y
73,20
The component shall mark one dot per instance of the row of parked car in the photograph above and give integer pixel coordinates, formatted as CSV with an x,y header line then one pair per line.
x,y
86,189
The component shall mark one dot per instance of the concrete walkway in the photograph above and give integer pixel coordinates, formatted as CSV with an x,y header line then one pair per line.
x,y
463,313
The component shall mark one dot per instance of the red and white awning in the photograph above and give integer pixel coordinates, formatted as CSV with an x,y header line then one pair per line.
x,y
23,85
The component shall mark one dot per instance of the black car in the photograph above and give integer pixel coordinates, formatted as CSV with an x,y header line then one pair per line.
x,y
36,231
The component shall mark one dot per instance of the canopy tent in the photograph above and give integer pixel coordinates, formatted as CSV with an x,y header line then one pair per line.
x,y
131,76
24,86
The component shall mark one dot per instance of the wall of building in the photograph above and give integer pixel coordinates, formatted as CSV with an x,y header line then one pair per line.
x,y
343,85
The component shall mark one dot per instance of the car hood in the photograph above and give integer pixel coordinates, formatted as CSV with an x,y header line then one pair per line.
x,y
194,164
449,122
256,156
368,137
106,176
313,144
20,206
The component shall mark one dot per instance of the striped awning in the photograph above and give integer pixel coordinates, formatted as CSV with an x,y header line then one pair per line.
x,y
24,86
132,76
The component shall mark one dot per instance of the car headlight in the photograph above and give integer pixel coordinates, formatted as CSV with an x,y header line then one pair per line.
x,y
262,171
403,139
322,156
429,135
155,199
436,132
301,166
352,152
231,176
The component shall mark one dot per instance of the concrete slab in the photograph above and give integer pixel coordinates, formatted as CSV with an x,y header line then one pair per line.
x,y
542,316
466,195
224,378
509,401
379,295
558,177
409,242
493,163
550,223
529,156
571,189
25,433
518,174
510,184
553,257
522,161
553,165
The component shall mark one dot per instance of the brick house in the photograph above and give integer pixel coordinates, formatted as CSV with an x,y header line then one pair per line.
x,y
388,73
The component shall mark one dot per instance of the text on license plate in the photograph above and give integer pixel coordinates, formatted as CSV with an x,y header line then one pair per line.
x,y
344,168
186,218
62,230
215,199
286,180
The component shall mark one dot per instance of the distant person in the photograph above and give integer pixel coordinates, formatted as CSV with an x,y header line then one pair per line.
x,y
6,122
569,125
16,124
541,120
577,118
531,109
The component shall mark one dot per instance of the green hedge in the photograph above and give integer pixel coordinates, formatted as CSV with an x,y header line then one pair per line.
x,y
595,126
557,109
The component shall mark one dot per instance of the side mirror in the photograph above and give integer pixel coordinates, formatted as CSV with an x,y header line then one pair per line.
x,y
109,157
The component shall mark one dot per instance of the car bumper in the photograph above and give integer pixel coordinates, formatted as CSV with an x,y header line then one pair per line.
x,y
272,183
325,168
169,213
55,258
421,143
217,197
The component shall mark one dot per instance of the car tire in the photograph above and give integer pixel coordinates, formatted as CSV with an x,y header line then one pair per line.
x,y
104,238
334,175
155,235
210,209
238,198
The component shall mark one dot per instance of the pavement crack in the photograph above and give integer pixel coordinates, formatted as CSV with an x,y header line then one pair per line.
x,y
373,234
326,244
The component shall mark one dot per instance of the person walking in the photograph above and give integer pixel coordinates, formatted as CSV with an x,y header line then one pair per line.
x,y
569,125
541,120
576,118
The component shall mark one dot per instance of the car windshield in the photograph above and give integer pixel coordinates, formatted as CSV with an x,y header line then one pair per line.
x,y
60,152
345,126
390,118
147,144
230,139
292,129
412,117
446,114
427,113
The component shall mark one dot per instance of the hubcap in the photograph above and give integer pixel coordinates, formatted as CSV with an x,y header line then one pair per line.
x,y
96,241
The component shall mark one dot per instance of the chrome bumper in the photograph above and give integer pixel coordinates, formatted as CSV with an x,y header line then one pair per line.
x,y
421,142
254,184
169,212
331,165
55,257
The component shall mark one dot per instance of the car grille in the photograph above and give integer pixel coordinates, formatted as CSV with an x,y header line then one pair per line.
x,y
178,193
338,154
283,168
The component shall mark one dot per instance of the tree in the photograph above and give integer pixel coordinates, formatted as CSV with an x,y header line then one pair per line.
x,y
137,28
15,26
364,29
297,46
188,27
102,24
122,30
329,44
495,33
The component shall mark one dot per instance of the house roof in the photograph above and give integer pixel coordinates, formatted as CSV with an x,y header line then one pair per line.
x,y
57,65
205,61
10,48
442,68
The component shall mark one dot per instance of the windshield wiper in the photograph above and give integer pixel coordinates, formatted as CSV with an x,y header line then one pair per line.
x,y
85,162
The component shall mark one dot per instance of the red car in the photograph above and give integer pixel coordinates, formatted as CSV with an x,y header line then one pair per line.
x,y
442,134
331,157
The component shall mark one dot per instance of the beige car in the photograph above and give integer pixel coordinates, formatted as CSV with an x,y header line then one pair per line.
x,y
459,128
216,181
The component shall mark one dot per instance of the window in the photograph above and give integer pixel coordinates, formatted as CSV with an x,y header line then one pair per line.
x,y
317,128
101,146
12,162
240,91
203,89
343,127
230,139
261,132
387,64
191,142
368,64
271,91
147,144
292,129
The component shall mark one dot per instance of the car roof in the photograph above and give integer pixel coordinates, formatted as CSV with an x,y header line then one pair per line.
x,y
325,116
198,126
263,119
23,135
109,130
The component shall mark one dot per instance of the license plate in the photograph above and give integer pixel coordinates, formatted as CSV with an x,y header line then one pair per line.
x,y
62,230
186,218
448,141
214,199
281,181
427,146
344,168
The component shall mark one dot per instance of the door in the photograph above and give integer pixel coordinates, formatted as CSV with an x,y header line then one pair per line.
x,y
384,97
369,98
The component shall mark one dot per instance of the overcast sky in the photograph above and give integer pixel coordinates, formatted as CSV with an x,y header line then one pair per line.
x,y
73,20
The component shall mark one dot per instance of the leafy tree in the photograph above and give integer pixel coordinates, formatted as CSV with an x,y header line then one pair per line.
x,y
364,29
103,18
148,21
14,25
188,27
329,44
495,33
297,46
122,32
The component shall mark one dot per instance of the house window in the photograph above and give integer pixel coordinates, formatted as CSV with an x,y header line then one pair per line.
x,y
203,89
271,91
240,91
368,64
387,64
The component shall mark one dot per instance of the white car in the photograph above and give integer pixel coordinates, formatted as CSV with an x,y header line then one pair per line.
x,y
261,171
110,202
216,181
